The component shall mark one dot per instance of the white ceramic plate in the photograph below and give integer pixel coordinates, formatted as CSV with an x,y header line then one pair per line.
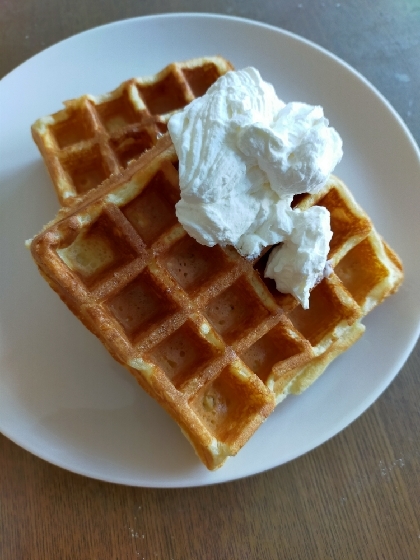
x,y
61,396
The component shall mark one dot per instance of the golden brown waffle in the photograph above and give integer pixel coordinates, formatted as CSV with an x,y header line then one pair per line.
x,y
366,271
200,328
95,137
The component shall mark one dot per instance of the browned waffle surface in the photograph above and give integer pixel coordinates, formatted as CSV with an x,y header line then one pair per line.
x,y
365,271
200,328
96,136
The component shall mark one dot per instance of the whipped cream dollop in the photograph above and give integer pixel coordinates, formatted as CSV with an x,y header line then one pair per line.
x,y
243,154
301,261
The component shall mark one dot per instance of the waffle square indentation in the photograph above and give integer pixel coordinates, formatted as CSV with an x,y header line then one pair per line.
x,y
236,310
74,129
183,354
132,145
201,78
86,172
117,113
163,96
324,313
275,347
96,251
230,403
140,305
153,211
194,265
361,271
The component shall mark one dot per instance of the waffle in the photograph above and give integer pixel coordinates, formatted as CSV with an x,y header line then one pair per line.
x,y
95,137
365,272
201,329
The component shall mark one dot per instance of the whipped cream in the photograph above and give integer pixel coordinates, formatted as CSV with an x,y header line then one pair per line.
x,y
301,261
243,153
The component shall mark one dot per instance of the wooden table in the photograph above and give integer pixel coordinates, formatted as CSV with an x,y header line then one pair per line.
x,y
358,495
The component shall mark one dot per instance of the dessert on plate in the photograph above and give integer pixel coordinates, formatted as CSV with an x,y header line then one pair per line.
x,y
200,323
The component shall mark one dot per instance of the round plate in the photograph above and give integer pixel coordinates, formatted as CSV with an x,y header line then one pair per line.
x,y
62,396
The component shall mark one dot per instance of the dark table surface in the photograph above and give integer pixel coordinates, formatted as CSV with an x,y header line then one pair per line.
x,y
356,496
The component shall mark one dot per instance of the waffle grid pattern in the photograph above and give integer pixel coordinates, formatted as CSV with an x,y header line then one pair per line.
x,y
95,137
365,271
200,328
